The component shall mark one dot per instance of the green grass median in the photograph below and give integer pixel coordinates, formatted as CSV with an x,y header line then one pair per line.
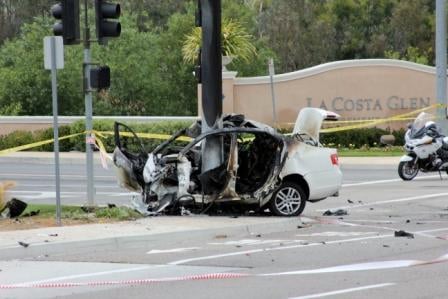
x,y
394,151
80,213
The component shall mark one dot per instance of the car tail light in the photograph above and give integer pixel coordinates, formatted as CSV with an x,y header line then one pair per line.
x,y
334,159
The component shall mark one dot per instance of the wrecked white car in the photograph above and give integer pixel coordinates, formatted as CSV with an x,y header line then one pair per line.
x,y
262,169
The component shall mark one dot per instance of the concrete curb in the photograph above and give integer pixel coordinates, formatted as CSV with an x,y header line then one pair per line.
x,y
154,239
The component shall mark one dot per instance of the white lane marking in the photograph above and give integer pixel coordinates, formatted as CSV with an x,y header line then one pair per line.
x,y
387,181
382,202
353,267
337,234
381,265
174,250
344,291
101,273
210,257
252,242
422,233
52,175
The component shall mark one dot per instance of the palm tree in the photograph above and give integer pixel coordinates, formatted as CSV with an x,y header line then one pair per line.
x,y
235,42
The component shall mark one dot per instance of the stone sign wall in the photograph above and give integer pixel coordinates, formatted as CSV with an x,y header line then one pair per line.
x,y
355,89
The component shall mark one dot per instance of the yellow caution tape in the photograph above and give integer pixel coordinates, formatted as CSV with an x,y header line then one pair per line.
x,y
35,144
103,134
400,117
147,135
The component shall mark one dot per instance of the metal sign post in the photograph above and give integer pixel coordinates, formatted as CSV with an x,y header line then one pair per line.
x,y
53,60
441,64
271,76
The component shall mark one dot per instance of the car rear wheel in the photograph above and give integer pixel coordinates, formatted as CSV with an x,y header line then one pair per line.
x,y
288,200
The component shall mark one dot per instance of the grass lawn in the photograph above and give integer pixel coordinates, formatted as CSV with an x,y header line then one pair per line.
x,y
393,151
45,216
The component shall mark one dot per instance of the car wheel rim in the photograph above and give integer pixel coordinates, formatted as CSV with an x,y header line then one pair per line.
x,y
288,201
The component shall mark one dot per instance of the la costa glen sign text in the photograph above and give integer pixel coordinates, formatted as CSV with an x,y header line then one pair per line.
x,y
341,104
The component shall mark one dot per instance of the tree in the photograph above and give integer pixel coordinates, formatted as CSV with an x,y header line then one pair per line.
x,y
297,34
235,42
25,84
14,13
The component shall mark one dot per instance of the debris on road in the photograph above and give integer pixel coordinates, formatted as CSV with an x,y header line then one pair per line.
x,y
338,212
23,244
10,208
31,214
350,201
402,233
14,208
386,246
48,235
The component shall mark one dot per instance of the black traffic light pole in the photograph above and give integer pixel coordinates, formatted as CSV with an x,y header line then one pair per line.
x,y
88,109
211,77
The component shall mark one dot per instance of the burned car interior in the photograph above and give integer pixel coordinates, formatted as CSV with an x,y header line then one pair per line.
x,y
249,157
170,178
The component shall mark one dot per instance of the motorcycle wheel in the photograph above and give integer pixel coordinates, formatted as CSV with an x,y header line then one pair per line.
x,y
407,170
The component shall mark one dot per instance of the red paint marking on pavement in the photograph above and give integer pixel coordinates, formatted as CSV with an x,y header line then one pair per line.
x,y
126,282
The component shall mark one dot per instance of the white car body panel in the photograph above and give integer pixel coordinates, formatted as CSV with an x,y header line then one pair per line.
x,y
314,164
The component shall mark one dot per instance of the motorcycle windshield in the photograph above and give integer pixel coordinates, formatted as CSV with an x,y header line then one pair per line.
x,y
418,128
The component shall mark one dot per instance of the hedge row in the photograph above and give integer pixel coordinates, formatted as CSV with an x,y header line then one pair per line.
x,y
357,138
77,143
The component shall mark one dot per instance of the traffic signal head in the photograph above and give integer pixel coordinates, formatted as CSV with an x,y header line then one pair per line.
x,y
107,28
100,77
67,11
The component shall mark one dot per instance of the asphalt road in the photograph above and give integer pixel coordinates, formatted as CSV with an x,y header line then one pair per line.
x,y
36,183
350,256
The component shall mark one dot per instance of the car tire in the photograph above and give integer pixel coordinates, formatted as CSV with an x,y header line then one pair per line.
x,y
288,200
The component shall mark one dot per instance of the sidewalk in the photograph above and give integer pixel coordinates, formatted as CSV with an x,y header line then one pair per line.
x,y
57,240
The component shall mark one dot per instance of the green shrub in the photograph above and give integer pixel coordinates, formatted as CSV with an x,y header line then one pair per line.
x,y
354,138
16,138
77,143
357,138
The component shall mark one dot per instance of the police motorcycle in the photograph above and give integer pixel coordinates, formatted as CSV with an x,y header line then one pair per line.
x,y
426,148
